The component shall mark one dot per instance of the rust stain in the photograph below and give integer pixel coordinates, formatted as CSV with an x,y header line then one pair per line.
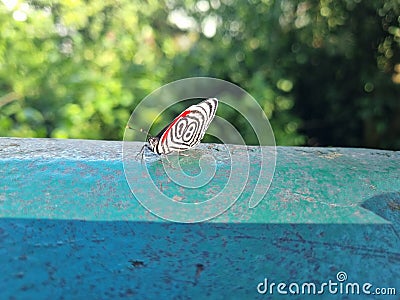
x,y
394,206
136,263
331,155
199,270
177,198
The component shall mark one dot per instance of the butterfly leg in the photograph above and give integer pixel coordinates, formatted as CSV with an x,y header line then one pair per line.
x,y
141,153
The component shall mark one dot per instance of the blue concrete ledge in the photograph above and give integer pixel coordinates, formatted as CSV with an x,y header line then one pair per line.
x,y
70,228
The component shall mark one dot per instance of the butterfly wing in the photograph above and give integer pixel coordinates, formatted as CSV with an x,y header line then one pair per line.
x,y
187,129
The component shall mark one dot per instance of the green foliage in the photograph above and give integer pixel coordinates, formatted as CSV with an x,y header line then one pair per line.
x,y
325,72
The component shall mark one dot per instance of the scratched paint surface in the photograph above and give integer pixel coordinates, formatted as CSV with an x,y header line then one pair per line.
x,y
70,227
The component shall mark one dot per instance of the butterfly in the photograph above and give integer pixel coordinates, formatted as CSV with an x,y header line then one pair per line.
x,y
186,130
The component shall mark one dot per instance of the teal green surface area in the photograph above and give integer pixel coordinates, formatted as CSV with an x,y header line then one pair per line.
x,y
71,228
76,179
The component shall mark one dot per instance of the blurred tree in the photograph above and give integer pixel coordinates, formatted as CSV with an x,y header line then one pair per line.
x,y
325,72
73,69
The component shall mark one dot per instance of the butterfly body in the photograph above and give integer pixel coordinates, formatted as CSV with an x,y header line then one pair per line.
x,y
186,130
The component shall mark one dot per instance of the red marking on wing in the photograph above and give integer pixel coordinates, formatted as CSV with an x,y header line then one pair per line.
x,y
182,115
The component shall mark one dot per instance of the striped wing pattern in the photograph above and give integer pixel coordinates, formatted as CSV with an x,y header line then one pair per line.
x,y
187,129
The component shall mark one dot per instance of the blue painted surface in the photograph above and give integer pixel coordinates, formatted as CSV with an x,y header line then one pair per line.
x,y
70,228
48,259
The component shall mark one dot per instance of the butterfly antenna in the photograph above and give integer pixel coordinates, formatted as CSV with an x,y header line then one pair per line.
x,y
141,152
140,130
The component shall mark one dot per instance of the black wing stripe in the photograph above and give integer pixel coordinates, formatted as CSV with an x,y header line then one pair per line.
x,y
188,131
